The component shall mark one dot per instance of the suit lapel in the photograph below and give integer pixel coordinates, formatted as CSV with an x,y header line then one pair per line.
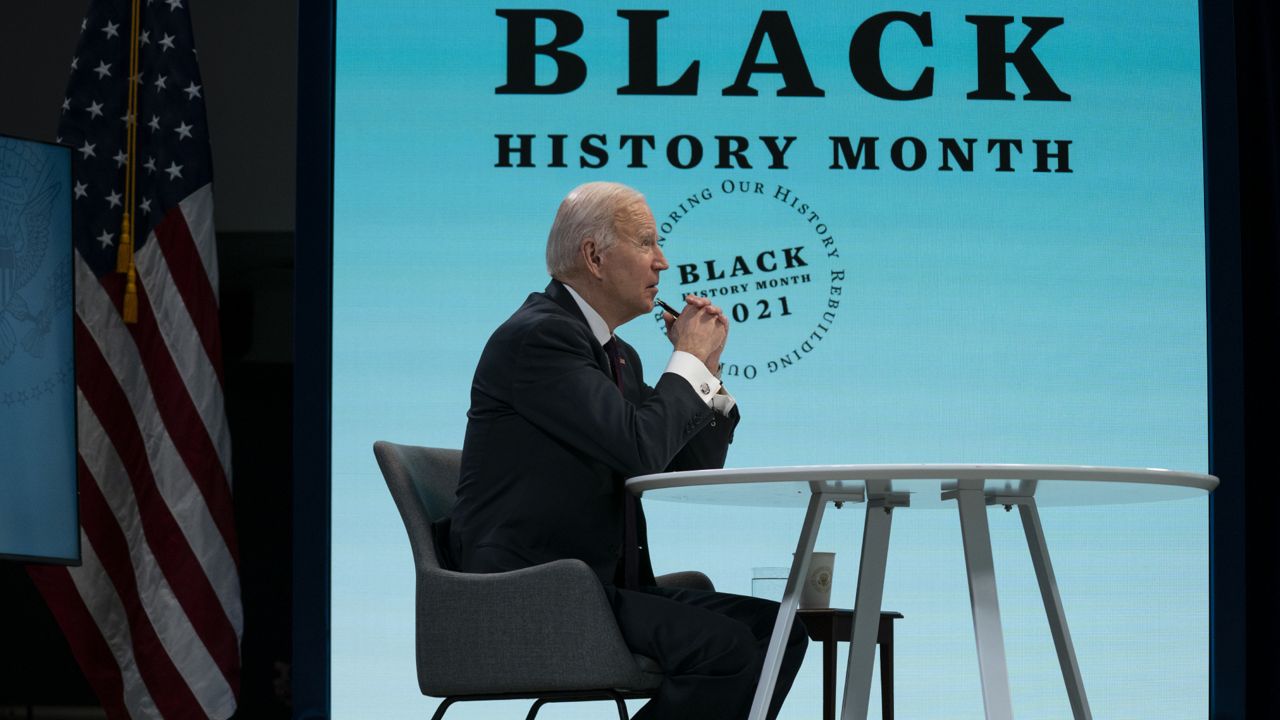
x,y
560,296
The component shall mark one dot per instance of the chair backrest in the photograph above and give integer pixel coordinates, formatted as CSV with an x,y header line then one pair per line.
x,y
474,634
424,483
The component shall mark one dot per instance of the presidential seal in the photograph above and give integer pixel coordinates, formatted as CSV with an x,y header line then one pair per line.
x,y
35,279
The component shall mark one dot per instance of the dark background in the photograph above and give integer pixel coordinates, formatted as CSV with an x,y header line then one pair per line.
x,y
249,60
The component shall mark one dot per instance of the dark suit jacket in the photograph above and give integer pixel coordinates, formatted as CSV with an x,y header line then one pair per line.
x,y
550,441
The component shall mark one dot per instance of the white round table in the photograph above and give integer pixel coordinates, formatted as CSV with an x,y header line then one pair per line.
x,y
883,488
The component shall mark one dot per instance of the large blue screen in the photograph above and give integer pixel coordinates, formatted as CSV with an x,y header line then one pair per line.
x,y
38,504
946,232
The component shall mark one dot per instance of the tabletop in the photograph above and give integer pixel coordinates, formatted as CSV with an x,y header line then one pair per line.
x,y
1050,485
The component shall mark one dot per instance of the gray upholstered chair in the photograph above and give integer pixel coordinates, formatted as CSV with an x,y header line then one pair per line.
x,y
544,633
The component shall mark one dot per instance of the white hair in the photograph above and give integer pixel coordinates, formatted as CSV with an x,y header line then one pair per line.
x,y
591,210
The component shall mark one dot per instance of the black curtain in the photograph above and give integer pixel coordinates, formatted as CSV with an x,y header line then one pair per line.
x,y
1258,106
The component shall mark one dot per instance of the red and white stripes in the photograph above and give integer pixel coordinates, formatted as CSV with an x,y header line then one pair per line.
x,y
154,609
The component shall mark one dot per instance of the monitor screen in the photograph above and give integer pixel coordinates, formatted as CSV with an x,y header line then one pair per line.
x,y
944,233
38,501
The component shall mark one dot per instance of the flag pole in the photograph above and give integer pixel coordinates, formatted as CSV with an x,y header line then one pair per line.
x,y
124,255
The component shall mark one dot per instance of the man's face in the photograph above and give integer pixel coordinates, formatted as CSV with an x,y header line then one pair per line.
x,y
630,266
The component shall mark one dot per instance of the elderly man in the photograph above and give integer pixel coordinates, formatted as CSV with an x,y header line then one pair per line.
x,y
560,416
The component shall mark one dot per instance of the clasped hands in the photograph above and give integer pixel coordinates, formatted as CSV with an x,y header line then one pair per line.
x,y
701,330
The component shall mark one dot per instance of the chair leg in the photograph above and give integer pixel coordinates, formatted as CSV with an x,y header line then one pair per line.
x,y
537,705
443,706
607,695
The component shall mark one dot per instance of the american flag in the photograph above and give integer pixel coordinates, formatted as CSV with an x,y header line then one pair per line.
x,y
153,614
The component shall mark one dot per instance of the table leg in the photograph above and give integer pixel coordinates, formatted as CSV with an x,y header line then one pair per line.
x,y
1053,608
978,562
787,612
866,611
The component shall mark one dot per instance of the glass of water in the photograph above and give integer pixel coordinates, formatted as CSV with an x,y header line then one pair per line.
x,y
769,582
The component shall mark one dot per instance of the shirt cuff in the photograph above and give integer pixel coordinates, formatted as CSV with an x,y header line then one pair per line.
x,y
707,386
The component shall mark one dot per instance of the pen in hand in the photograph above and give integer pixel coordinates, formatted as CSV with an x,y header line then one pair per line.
x,y
668,308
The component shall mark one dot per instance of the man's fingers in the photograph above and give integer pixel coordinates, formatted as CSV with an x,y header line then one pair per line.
x,y
706,307
696,301
702,330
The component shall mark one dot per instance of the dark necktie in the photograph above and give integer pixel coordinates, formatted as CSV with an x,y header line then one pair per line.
x,y
615,361
630,533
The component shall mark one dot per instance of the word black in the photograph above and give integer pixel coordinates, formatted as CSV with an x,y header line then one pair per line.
x,y
865,66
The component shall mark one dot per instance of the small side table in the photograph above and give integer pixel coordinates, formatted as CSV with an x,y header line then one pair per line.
x,y
833,625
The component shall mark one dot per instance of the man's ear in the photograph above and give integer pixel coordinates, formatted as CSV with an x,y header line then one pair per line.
x,y
591,257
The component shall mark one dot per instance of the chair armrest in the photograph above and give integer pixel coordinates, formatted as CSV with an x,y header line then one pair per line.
x,y
687,580
548,627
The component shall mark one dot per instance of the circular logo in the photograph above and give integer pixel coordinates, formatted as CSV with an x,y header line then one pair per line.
x,y
765,253
820,580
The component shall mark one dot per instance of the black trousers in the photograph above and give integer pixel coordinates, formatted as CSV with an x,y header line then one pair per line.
x,y
710,646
